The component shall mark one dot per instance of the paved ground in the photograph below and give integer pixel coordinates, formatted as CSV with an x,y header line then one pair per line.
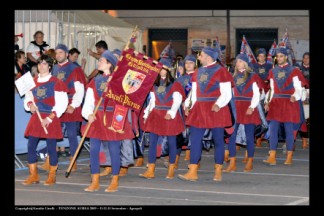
x,y
266,185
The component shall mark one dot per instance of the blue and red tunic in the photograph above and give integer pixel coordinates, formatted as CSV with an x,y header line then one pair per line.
x,y
45,101
155,122
243,93
70,73
186,82
97,129
263,71
208,81
280,107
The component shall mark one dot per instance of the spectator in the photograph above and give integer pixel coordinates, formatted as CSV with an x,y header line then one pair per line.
x,y
20,64
101,46
51,53
73,57
36,48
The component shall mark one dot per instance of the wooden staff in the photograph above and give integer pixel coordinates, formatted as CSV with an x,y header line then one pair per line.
x,y
67,173
40,118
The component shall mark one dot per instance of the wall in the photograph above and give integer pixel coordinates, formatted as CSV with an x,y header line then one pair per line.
x,y
209,23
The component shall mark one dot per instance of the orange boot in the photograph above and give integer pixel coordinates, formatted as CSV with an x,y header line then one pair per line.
x,y
249,165
198,165
304,143
218,172
113,187
170,171
271,160
187,155
191,175
33,177
176,163
46,165
289,158
139,162
106,171
123,171
149,172
245,157
51,179
226,156
94,186
232,166
258,142
74,167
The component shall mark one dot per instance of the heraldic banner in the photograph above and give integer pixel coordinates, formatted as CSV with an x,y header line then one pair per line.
x,y
131,82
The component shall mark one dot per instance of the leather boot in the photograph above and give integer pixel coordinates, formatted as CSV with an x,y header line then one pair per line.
x,y
139,162
149,172
249,165
51,179
170,171
74,167
245,157
198,165
33,177
232,166
258,142
289,158
218,172
176,163
94,186
304,143
123,171
106,171
271,160
46,165
187,155
226,156
113,187
191,175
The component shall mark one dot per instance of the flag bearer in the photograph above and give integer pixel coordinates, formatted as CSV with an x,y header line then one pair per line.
x,y
98,132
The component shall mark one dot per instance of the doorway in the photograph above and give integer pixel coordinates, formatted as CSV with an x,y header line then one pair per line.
x,y
257,38
160,38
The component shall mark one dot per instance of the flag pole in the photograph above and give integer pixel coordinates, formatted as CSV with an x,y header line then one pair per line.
x,y
40,118
67,173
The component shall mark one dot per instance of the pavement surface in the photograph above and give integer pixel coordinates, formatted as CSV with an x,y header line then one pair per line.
x,y
265,185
